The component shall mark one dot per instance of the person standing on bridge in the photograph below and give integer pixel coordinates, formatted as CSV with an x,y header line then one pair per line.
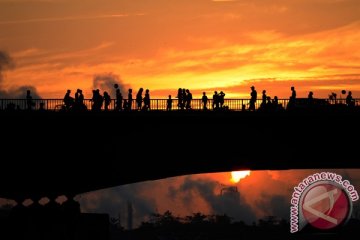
x,y
29,101
215,103
311,99
264,98
129,101
184,99
292,99
204,100
147,100
188,99
253,98
119,99
139,98
169,104
68,100
180,99
79,100
221,99
349,100
107,100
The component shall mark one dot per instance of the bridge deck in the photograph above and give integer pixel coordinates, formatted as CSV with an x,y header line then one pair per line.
x,y
55,153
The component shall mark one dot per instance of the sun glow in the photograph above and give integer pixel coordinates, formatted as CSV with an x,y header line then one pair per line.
x,y
236,176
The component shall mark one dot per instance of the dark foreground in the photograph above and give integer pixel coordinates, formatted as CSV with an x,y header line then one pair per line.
x,y
56,153
48,154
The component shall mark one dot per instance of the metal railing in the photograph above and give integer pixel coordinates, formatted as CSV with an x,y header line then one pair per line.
x,y
155,104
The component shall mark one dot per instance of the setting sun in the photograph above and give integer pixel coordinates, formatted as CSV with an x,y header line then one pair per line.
x,y
236,176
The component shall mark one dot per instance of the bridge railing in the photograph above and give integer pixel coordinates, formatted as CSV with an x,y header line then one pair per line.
x,y
155,104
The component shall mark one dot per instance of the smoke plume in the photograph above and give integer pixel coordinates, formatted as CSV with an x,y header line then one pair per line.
x,y
106,82
7,63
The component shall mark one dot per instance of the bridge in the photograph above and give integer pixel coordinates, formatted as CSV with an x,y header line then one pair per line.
x,y
240,104
55,153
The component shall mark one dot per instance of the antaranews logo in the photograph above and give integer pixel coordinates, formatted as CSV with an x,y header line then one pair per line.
x,y
323,200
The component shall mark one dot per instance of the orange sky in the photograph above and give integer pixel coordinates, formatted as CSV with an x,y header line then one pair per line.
x,y
195,44
263,193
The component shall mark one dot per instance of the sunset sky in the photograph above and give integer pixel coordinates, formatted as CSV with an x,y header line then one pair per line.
x,y
162,45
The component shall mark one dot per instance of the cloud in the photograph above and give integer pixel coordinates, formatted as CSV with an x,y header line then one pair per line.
x,y
114,201
68,18
198,60
227,202
263,193
6,62
19,92
106,81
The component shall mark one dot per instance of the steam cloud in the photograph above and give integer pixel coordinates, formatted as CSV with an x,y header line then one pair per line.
x,y
105,82
230,203
7,63
114,201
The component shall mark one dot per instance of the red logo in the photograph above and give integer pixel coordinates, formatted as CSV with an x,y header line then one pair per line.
x,y
326,206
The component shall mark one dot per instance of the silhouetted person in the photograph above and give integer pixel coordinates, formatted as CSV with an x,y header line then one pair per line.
x,y
263,98
129,100
204,100
79,97
79,100
29,101
311,98
275,103
221,99
184,99
147,100
139,98
293,93
107,100
98,100
68,100
253,98
180,99
269,105
169,103
188,99
349,100
216,101
119,99
292,99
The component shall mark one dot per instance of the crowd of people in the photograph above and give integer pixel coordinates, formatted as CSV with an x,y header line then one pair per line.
x,y
184,101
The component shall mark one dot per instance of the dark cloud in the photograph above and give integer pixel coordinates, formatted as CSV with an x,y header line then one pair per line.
x,y
228,202
105,82
6,63
115,200
19,93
